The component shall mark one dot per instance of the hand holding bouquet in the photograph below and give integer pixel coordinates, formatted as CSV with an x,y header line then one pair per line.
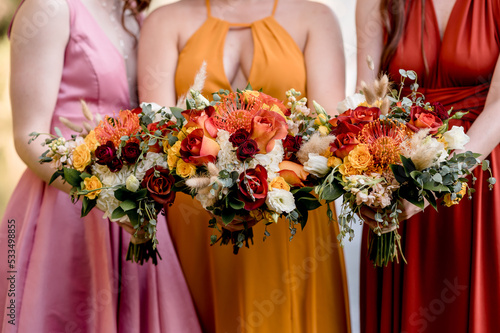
x,y
239,156
120,168
389,149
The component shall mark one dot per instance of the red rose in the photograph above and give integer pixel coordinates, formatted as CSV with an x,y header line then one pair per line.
x,y
105,153
363,115
353,121
253,187
292,144
440,110
115,165
247,149
343,144
159,187
130,152
136,111
238,137
198,149
421,118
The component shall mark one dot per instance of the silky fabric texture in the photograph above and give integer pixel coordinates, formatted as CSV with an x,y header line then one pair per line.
x,y
451,281
71,274
276,285
275,53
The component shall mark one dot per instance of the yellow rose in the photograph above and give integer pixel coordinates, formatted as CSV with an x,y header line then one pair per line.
x,y
184,169
185,132
323,130
257,214
173,155
91,141
279,183
346,169
271,217
360,157
447,198
92,184
81,157
334,161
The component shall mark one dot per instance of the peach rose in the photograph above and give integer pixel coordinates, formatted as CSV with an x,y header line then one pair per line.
x,y
293,173
268,126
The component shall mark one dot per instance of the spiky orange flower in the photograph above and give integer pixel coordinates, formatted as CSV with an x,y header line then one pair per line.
x,y
384,139
112,129
234,113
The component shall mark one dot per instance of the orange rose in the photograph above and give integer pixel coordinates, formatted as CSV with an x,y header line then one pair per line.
x,y
268,126
198,149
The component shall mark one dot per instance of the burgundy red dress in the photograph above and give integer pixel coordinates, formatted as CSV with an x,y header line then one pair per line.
x,y
452,280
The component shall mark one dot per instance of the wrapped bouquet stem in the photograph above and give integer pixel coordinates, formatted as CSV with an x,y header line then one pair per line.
x,y
238,232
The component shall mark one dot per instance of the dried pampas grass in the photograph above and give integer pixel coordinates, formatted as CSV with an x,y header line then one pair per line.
x,y
317,144
199,83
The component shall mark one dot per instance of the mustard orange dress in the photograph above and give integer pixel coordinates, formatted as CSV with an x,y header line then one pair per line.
x,y
275,285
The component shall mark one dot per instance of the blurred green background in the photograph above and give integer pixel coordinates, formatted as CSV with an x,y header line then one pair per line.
x,y
11,166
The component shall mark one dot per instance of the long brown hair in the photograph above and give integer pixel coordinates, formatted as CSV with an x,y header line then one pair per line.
x,y
136,7
394,15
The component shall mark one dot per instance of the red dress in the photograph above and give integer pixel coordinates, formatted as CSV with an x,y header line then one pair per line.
x,y
452,280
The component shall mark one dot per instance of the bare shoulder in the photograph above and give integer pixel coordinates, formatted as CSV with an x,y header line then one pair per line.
x,y
41,22
309,13
177,13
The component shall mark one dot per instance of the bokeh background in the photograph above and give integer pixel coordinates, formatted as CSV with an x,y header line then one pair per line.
x,y
11,167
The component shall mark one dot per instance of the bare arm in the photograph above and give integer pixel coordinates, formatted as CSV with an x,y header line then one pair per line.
x,y
37,61
324,58
157,59
370,34
485,131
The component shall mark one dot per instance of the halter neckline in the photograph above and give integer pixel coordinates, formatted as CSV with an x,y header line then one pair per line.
x,y
233,24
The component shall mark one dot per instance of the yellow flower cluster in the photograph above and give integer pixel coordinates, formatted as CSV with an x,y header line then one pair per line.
x,y
356,162
81,157
279,183
91,141
184,169
92,184
173,155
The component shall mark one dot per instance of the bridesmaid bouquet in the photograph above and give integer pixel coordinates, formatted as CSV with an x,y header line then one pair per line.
x,y
119,167
245,157
387,150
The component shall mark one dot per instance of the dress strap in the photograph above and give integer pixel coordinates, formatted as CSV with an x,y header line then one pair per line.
x,y
274,7
207,3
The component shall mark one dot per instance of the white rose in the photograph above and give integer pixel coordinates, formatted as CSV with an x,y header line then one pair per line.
x,y
317,165
280,201
351,102
132,183
456,138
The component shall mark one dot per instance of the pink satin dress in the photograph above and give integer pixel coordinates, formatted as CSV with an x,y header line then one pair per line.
x,y
70,273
